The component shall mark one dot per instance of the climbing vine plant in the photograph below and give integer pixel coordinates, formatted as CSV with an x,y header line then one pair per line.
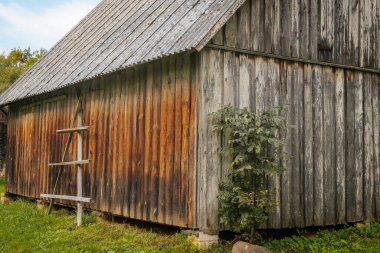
x,y
252,143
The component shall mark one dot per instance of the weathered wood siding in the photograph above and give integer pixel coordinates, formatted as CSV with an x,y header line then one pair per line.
x,y
334,176
141,142
338,31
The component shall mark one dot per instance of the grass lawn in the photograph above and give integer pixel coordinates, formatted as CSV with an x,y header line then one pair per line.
x,y
348,239
24,228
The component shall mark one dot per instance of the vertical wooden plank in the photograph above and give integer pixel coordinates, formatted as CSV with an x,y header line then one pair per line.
x,y
218,37
285,95
295,31
341,31
133,111
169,179
340,158
297,145
177,141
244,26
273,80
246,70
261,73
376,142
286,26
329,180
317,83
163,139
231,31
148,128
358,123
117,167
375,34
156,146
353,36
185,101
257,24
141,142
325,47
314,29
127,82
111,152
276,38
211,163
269,26
229,96
350,147
365,32
308,133
193,138
104,205
304,29
91,136
368,149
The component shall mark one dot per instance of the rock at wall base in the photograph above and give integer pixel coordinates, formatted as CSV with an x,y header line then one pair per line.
x,y
244,247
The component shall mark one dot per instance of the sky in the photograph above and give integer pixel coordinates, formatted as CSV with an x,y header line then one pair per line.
x,y
39,23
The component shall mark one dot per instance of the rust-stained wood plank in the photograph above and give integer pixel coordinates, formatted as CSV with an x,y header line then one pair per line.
x,y
165,86
148,128
177,177
139,181
156,146
169,159
185,122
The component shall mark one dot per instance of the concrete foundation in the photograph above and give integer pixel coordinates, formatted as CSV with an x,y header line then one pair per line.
x,y
5,198
41,204
202,239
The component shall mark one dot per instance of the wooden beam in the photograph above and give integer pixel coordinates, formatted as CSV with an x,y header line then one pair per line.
x,y
73,198
70,163
292,59
73,130
79,169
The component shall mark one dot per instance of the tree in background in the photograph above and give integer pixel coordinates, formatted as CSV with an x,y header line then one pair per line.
x,y
15,63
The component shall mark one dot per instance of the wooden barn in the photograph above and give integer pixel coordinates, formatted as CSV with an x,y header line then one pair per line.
x,y
3,141
150,71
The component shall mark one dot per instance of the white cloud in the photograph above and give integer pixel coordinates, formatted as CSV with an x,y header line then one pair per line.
x,y
45,28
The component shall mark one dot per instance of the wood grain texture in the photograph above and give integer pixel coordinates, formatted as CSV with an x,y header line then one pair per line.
x,y
337,31
140,141
334,145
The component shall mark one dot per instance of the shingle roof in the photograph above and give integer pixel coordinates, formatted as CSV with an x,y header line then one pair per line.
x,y
121,33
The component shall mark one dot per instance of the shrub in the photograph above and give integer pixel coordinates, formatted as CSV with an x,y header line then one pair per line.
x,y
252,141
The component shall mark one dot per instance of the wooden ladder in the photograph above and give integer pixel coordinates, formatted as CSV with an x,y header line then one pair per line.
x,y
78,117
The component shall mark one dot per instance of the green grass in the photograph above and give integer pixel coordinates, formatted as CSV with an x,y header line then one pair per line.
x,y
348,239
24,228
2,186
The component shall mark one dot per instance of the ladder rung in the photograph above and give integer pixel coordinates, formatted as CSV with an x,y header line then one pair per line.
x,y
72,130
74,198
70,163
